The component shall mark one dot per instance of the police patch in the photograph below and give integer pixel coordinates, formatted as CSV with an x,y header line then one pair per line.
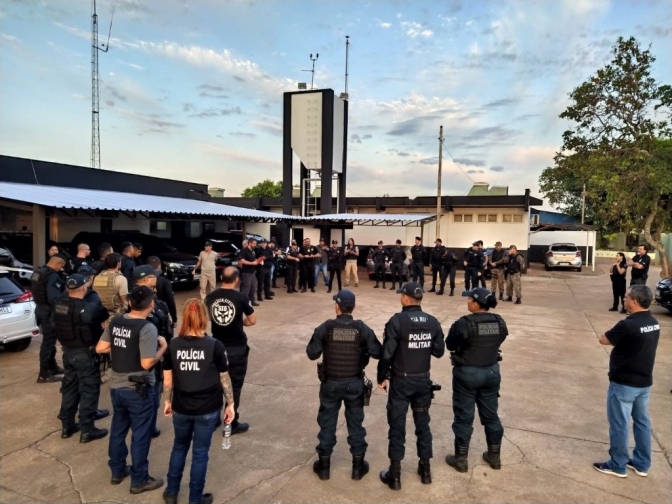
x,y
488,329
343,334
223,311
62,309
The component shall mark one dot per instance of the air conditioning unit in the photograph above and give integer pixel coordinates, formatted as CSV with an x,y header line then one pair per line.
x,y
534,220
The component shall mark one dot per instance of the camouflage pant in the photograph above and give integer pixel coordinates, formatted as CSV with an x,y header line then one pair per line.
x,y
513,284
497,280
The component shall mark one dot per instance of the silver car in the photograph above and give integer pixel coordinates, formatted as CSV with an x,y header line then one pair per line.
x,y
563,255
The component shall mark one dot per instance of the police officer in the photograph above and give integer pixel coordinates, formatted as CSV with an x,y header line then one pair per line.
x,y
112,286
273,247
398,257
418,262
293,261
346,345
133,340
164,288
473,267
474,342
75,322
46,286
411,338
265,254
82,258
104,249
379,257
485,257
449,261
334,264
497,270
436,261
128,262
515,263
309,254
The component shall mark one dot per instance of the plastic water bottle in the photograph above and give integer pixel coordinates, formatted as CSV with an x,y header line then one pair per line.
x,y
226,437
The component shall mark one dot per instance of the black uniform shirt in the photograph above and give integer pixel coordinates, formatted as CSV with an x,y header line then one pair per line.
x,y
635,340
248,255
379,255
292,253
398,254
474,259
316,343
127,267
309,250
78,262
645,261
226,308
437,254
418,252
164,291
334,258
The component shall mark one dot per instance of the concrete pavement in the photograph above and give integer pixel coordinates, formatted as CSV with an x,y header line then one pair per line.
x,y
552,405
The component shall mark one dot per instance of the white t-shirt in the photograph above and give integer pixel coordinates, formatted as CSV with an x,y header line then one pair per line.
x,y
208,260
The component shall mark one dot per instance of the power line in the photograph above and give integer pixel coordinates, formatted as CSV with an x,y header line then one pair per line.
x,y
458,164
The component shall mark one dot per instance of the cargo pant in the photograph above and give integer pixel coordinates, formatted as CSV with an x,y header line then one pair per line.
x,y
497,281
351,267
207,278
513,284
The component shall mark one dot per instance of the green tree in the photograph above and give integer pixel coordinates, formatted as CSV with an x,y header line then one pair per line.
x,y
619,147
264,189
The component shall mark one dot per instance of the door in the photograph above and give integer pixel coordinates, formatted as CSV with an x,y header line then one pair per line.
x,y
297,234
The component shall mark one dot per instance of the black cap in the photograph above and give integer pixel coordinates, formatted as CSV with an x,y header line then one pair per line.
x,y
208,244
75,281
294,242
345,298
475,244
334,242
412,290
438,240
144,271
480,295
380,242
85,270
418,238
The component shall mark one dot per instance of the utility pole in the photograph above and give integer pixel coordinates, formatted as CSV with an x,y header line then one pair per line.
x,y
95,85
438,185
583,204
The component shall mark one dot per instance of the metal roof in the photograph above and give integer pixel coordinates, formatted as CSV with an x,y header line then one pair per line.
x,y
90,199
380,219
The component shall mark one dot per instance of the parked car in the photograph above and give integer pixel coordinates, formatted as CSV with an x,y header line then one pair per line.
x,y
563,255
178,267
227,254
663,293
17,315
371,267
7,258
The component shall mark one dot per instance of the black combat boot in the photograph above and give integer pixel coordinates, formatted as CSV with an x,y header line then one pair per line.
x,y
518,301
509,299
614,308
322,466
433,289
92,435
360,467
393,286
440,293
392,477
501,296
459,461
376,286
492,456
425,472
452,291
384,284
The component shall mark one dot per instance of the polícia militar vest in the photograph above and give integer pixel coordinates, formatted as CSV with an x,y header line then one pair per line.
x,y
513,266
379,255
194,366
486,333
398,255
414,353
38,285
103,284
474,259
125,340
343,354
70,330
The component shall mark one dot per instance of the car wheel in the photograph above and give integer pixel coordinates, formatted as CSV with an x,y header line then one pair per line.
x,y
579,269
546,267
18,345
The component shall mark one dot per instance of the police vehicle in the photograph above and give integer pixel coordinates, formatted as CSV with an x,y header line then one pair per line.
x,y
18,326
663,293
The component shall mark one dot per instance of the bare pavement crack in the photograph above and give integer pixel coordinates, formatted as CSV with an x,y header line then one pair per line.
x,y
70,473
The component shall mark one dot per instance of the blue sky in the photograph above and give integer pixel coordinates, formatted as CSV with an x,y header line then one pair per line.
x,y
193,90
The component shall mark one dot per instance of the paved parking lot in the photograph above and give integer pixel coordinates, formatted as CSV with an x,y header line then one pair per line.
x,y
552,406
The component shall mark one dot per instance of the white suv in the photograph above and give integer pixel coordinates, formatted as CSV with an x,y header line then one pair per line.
x,y
17,315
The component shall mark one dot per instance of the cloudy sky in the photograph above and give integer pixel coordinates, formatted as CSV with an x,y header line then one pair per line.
x,y
193,90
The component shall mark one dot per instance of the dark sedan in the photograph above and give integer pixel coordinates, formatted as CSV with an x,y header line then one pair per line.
x,y
663,293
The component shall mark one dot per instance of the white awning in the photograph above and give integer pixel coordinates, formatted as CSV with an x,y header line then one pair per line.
x,y
380,219
69,198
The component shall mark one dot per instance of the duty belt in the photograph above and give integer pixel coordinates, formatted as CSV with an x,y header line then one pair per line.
x,y
410,375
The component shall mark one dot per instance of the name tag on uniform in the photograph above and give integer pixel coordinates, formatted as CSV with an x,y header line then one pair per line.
x,y
341,334
488,329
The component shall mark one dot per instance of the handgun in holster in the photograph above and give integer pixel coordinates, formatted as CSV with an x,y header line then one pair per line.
x,y
141,384
435,387
320,372
368,389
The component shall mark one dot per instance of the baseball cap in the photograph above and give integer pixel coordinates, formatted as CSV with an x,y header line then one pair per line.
x,y
412,290
345,298
85,270
334,242
418,238
75,281
479,294
380,242
144,271
498,244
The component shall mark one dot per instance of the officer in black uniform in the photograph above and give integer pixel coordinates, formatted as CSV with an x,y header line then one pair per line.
x,y
104,249
411,338
473,267
436,261
398,256
418,262
46,286
264,272
379,257
292,266
346,345
449,261
334,264
128,262
76,322
473,342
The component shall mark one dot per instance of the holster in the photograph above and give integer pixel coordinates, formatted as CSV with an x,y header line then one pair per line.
x,y
320,372
368,390
141,385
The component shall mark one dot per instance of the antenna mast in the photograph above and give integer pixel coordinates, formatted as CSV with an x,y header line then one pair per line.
x,y
95,85
347,51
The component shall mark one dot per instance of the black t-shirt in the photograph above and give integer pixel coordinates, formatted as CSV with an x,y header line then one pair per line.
x,y
226,308
248,255
635,340
203,401
309,250
645,261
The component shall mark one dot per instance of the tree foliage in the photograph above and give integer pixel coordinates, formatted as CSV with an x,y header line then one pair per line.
x,y
264,189
619,147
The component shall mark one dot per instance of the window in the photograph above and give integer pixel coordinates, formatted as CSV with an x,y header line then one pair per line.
x,y
492,217
208,227
468,218
517,218
161,226
482,218
507,218
457,218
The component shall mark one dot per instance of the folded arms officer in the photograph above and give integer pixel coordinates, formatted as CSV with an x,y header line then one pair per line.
x,y
411,338
473,267
398,257
418,262
379,257
345,345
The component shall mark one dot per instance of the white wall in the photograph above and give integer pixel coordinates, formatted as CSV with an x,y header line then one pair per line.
x,y
463,234
260,228
578,238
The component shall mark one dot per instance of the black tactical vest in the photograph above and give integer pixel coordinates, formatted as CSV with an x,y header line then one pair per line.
x,y
474,259
125,340
38,285
513,266
398,255
379,255
414,352
486,333
449,258
194,366
417,252
70,330
161,319
437,254
498,255
343,350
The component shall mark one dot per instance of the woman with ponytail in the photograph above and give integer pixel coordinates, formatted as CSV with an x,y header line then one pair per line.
x,y
617,272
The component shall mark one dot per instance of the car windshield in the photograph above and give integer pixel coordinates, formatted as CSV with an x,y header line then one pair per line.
x,y
8,288
563,248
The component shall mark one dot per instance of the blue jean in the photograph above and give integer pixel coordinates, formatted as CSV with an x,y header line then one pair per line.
x,y
133,412
624,402
200,429
322,267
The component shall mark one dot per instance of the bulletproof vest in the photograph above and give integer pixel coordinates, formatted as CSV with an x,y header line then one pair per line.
x,y
103,284
398,255
334,256
417,252
474,259
38,285
379,255
449,258
98,266
513,266
125,340
498,255
486,333
293,253
414,352
343,350
160,318
70,330
194,366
